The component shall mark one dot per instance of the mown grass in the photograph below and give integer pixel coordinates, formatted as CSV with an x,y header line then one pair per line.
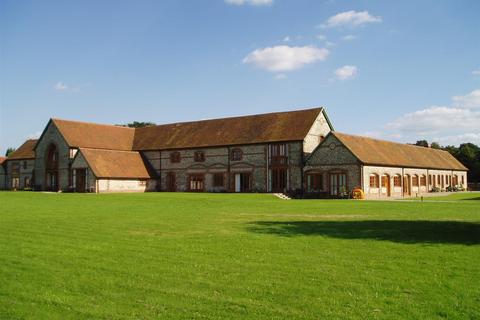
x,y
249,256
461,196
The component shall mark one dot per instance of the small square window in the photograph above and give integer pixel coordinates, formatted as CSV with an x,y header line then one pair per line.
x,y
199,156
175,157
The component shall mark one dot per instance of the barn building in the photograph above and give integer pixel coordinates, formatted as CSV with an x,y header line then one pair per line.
x,y
296,152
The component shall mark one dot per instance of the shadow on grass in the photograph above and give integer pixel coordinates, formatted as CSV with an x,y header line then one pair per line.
x,y
476,198
402,231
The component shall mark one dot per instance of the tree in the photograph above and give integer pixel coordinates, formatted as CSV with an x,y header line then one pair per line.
x,y
422,143
9,151
137,124
435,145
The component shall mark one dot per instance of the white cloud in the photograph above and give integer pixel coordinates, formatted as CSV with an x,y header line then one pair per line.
x,y
280,76
458,139
250,2
287,39
346,72
476,72
350,19
60,86
453,124
436,120
349,37
285,58
471,100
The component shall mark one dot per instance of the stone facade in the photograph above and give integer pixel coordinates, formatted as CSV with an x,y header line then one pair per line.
x,y
255,161
53,138
329,160
20,174
3,178
332,157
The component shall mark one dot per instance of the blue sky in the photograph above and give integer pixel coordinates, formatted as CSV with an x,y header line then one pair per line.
x,y
402,70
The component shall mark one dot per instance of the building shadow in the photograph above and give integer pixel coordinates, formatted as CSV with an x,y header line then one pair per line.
x,y
402,231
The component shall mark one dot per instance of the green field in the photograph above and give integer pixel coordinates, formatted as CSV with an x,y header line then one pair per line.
x,y
236,256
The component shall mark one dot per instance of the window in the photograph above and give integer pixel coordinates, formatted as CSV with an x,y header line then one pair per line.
x,y
236,155
218,180
196,182
438,179
429,179
24,165
384,181
455,180
463,180
278,154
415,181
338,184
397,182
423,180
15,168
26,182
314,182
199,156
374,181
175,157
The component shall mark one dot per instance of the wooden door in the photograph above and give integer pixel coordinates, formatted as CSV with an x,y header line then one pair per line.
x,y
80,180
279,179
171,182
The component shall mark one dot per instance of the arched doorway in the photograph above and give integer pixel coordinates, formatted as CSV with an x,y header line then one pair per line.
x,y
51,165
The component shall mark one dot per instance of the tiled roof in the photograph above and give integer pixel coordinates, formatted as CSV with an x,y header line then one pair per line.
x,y
2,160
271,127
92,135
25,151
385,153
115,164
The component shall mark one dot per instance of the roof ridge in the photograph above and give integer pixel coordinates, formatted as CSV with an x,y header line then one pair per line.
x,y
232,117
104,149
94,123
393,142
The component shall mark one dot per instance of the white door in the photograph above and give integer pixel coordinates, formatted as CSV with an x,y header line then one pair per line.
x,y
238,182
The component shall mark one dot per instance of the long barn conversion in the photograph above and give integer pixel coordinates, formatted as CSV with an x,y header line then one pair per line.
x,y
295,152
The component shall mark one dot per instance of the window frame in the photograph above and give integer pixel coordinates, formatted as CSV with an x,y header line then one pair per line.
x,y
315,182
199,156
175,157
397,180
236,154
373,181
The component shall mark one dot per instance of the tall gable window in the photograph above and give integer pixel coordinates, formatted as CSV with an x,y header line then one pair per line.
x,y
199,156
374,181
236,154
175,157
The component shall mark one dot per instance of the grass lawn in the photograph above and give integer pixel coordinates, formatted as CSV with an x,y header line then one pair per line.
x,y
461,196
228,256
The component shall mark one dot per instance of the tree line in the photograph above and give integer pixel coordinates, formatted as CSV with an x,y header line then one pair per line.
x,y
467,153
